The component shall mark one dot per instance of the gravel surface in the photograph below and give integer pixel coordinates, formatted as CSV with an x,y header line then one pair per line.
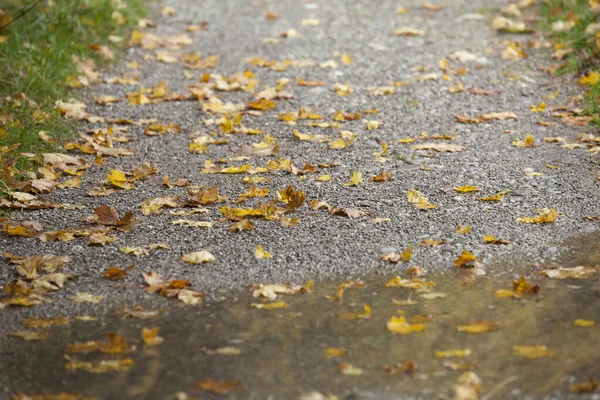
x,y
323,246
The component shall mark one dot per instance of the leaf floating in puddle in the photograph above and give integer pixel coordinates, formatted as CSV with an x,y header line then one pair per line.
x,y
331,352
31,335
584,323
100,367
270,306
401,326
588,387
407,366
224,387
532,352
150,336
349,369
467,387
367,311
453,353
479,327
224,351
580,272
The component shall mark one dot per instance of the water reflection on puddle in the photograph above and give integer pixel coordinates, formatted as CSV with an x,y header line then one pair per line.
x,y
283,351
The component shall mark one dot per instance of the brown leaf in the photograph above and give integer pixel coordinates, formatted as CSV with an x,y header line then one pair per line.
x,y
224,387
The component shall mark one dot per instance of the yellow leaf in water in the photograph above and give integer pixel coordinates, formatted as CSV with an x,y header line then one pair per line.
x,y
584,323
198,257
31,335
349,369
259,252
413,283
479,327
545,216
466,189
355,180
580,272
467,387
406,255
150,336
270,306
532,352
331,352
367,311
453,353
418,201
117,178
401,326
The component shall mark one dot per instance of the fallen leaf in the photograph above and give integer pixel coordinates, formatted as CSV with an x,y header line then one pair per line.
x,y
532,352
584,323
260,253
401,326
545,215
479,327
198,257
150,336
418,201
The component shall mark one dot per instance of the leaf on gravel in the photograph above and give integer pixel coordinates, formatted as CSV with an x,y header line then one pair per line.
x,y
115,273
198,257
406,31
588,387
194,224
490,239
118,179
355,180
524,143
532,352
136,251
260,253
466,260
545,215
479,327
466,119
348,212
497,197
401,326
332,352
439,147
243,225
466,189
418,201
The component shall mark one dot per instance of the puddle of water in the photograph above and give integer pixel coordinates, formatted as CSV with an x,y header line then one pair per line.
x,y
283,350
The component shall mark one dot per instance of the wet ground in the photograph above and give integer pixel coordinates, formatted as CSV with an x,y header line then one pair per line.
x,y
283,353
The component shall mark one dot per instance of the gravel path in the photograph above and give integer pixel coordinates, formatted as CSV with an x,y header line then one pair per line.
x,y
320,245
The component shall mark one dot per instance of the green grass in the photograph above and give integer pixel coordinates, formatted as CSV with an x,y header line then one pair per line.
x,y
36,56
585,58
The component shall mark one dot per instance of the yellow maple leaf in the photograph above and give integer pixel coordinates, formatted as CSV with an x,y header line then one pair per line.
x,y
539,108
367,311
355,180
524,143
590,80
584,323
465,259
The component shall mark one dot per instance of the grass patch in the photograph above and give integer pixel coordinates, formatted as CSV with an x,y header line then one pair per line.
x,y
38,43
574,25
